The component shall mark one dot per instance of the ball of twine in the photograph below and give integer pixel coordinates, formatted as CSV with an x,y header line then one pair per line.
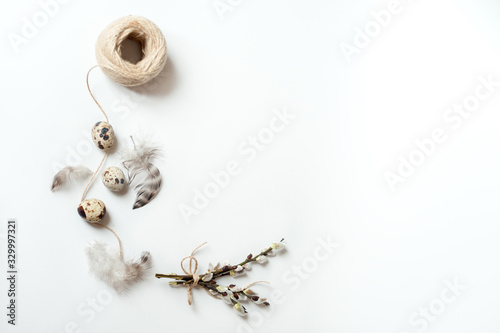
x,y
153,45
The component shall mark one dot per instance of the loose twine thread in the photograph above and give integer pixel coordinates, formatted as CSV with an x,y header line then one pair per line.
x,y
196,277
100,165
110,60
107,120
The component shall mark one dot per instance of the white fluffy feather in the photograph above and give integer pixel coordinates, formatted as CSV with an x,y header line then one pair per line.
x,y
66,174
107,265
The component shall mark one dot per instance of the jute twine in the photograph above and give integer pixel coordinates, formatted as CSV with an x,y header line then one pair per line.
x,y
154,49
99,167
192,272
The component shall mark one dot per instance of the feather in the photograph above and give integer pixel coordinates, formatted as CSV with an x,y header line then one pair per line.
x,y
66,174
107,265
148,188
140,160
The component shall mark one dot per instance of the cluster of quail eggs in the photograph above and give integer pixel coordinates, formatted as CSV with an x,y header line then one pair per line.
x,y
94,210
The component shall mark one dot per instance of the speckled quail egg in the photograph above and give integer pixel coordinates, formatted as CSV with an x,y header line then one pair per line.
x,y
103,135
92,210
114,179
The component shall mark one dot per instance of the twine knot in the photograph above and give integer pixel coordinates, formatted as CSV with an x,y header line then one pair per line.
x,y
196,278
191,271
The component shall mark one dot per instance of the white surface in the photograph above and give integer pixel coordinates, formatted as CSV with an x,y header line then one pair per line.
x,y
321,177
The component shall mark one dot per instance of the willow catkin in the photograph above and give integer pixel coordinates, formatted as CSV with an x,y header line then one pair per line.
x,y
154,49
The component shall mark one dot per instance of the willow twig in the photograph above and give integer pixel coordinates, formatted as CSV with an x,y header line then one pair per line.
x,y
230,294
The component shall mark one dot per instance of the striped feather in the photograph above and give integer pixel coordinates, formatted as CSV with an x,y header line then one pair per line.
x,y
148,188
137,161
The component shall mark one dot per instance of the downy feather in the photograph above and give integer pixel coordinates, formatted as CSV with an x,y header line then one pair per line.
x,y
107,265
66,174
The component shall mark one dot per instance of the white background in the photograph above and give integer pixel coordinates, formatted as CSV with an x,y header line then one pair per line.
x,y
321,178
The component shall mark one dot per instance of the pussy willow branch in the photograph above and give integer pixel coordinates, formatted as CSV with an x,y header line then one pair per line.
x,y
225,270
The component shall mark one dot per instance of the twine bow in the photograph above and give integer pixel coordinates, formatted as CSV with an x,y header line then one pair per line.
x,y
192,272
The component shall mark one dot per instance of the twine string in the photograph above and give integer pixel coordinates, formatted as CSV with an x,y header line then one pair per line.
x,y
191,271
91,94
107,120
93,176
118,238
100,165
251,284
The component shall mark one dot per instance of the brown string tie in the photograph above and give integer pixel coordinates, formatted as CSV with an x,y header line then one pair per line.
x,y
192,272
